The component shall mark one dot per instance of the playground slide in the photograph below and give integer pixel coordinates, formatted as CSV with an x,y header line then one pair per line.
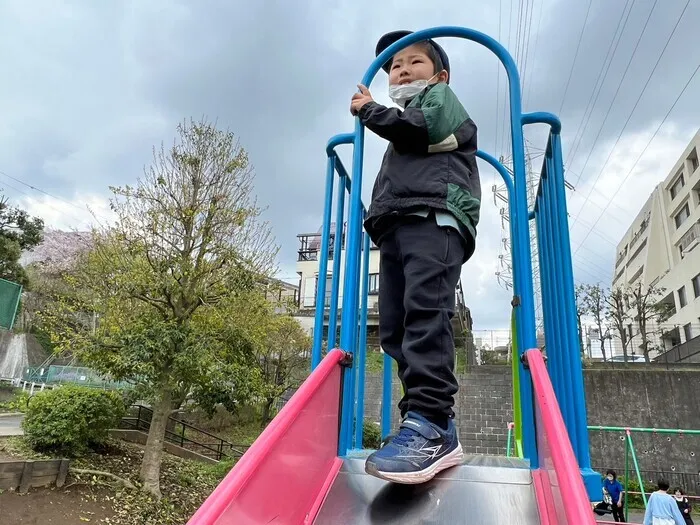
x,y
292,475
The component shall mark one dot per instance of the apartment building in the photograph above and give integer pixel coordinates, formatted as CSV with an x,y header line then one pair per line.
x,y
307,268
661,249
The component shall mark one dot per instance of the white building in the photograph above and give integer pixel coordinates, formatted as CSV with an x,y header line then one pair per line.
x,y
308,270
661,249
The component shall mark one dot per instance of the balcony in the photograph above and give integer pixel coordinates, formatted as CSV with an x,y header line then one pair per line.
x,y
690,239
642,227
310,246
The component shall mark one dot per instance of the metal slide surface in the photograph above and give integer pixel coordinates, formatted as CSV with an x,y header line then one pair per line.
x,y
485,490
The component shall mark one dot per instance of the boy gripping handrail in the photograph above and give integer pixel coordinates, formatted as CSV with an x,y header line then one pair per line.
x,y
423,217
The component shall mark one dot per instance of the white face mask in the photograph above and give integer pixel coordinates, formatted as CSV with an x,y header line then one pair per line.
x,y
402,93
679,498
610,478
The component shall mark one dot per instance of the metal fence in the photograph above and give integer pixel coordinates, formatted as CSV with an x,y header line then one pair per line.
x,y
184,435
10,294
682,353
78,375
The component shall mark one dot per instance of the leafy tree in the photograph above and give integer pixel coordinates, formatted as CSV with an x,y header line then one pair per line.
x,y
594,300
18,232
282,359
617,312
171,281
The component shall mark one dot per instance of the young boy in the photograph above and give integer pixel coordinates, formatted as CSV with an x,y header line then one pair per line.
x,y
423,216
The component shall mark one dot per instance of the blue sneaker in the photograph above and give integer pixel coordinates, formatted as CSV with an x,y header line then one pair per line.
x,y
418,452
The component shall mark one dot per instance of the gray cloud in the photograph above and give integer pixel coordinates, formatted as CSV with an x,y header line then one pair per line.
x,y
89,88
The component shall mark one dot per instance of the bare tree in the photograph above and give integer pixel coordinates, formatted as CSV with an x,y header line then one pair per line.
x,y
579,294
645,302
617,312
594,301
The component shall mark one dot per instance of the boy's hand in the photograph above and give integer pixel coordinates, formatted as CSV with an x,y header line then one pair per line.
x,y
360,99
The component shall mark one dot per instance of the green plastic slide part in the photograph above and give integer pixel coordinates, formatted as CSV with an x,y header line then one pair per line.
x,y
515,361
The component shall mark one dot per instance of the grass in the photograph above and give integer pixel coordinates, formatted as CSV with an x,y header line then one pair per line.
x,y
12,399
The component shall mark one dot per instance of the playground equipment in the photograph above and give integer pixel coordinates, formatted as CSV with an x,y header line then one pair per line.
x,y
307,466
630,451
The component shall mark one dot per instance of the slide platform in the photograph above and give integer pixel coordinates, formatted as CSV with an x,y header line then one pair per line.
x,y
485,490
291,475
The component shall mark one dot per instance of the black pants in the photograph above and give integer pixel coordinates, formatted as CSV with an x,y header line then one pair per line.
x,y
420,264
618,512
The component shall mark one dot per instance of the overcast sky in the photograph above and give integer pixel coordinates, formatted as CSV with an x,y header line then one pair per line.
x,y
88,88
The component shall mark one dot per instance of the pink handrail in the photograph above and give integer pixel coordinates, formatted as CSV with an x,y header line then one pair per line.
x,y
216,504
577,507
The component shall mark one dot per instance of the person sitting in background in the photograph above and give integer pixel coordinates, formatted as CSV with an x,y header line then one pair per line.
x,y
662,508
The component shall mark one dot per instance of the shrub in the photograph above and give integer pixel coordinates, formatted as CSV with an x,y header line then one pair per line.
x,y
71,419
371,435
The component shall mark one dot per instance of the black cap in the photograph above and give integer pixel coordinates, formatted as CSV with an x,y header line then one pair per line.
x,y
389,38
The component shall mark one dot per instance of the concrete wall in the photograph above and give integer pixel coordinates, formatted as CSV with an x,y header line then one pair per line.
x,y
483,407
637,396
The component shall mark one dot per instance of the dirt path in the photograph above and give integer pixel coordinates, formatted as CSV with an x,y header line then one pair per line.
x,y
74,506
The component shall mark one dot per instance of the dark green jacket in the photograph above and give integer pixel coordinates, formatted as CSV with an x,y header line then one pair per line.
x,y
430,161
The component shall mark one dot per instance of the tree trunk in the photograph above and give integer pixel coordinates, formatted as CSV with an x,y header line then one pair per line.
x,y
645,349
266,412
580,336
150,466
625,344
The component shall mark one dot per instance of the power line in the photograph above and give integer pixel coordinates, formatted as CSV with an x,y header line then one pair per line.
x,y
498,83
604,69
537,40
578,46
48,195
646,84
527,47
641,154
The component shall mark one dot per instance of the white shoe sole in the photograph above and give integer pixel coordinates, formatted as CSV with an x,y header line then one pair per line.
x,y
454,458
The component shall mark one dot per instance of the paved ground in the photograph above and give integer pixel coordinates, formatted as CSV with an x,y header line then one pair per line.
x,y
634,516
10,426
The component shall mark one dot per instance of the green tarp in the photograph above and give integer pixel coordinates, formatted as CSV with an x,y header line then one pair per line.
x,y
10,294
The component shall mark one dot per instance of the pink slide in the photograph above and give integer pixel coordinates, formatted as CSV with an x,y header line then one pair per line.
x,y
561,494
293,476
283,477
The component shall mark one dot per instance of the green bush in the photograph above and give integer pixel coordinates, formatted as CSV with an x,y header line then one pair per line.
x,y
371,435
71,419
635,500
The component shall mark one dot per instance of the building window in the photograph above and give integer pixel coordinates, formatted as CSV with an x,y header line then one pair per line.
x,y
682,215
696,285
677,186
373,284
681,297
693,160
688,332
